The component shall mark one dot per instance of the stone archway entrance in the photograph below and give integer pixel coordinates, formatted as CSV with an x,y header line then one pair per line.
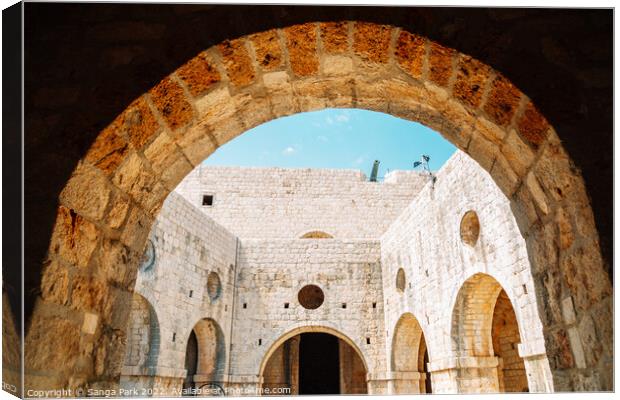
x,y
205,357
110,202
410,358
486,337
314,363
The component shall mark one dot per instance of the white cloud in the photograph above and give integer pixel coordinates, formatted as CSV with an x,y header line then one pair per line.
x,y
344,117
289,151
358,161
322,138
329,120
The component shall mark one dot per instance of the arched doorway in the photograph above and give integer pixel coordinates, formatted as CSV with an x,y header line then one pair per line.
x,y
118,188
313,363
142,349
205,358
409,358
485,333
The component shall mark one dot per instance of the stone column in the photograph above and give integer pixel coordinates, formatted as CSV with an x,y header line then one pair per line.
x,y
537,369
294,365
405,382
465,375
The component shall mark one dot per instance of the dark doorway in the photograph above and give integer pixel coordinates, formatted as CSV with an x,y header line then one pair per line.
x,y
427,381
319,364
191,362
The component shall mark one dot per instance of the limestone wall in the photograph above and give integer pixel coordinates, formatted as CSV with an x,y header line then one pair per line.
x,y
425,241
188,247
271,273
262,203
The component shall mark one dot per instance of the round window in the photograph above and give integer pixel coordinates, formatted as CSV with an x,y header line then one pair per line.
x,y
311,297
470,228
214,286
401,281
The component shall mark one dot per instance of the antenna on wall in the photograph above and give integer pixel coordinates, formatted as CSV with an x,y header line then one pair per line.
x,y
427,170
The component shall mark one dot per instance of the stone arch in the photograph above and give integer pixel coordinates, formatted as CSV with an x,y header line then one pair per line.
x,y
485,332
280,365
407,356
142,348
118,187
309,329
210,367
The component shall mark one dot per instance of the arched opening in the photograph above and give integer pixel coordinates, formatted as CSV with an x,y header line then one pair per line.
x,y
118,188
485,333
316,235
205,358
314,363
409,358
142,349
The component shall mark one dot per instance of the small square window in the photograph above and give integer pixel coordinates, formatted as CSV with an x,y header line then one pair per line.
x,y
344,305
207,200
285,305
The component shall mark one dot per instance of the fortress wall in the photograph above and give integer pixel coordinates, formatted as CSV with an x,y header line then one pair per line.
x,y
425,241
188,247
276,203
271,273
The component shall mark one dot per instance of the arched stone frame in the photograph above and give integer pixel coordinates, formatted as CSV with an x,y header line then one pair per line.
x,y
308,329
212,355
117,189
143,345
406,362
471,338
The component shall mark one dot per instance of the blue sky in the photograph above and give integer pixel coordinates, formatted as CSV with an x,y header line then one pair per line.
x,y
335,138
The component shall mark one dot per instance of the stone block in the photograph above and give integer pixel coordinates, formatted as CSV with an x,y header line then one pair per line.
x,y
267,48
87,192
89,326
372,41
199,74
170,101
55,283
533,126
517,153
410,53
88,294
337,65
335,36
301,42
237,62
471,78
74,238
502,101
440,64
110,148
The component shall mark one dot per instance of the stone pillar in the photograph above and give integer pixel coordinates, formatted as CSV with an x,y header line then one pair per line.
x,y
405,382
537,369
377,383
294,365
465,375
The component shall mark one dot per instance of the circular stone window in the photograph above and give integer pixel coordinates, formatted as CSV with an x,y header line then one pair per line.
x,y
400,280
470,228
148,258
311,297
214,286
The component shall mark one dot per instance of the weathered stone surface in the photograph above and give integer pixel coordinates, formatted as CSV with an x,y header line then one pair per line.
x,y
115,260
135,179
140,123
471,78
582,273
138,226
440,64
88,294
564,355
170,101
197,143
591,343
483,151
337,65
532,125
410,53
74,238
51,341
109,149
302,49
218,112
237,62
87,192
199,74
502,101
55,283
89,326
334,36
162,153
565,229
504,176
268,51
537,193
517,153
372,41
118,211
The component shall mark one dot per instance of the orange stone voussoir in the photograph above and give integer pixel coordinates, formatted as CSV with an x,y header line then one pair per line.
x,y
267,48
170,101
199,74
471,78
237,62
372,41
302,49
410,53
440,64
335,36
532,126
502,101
